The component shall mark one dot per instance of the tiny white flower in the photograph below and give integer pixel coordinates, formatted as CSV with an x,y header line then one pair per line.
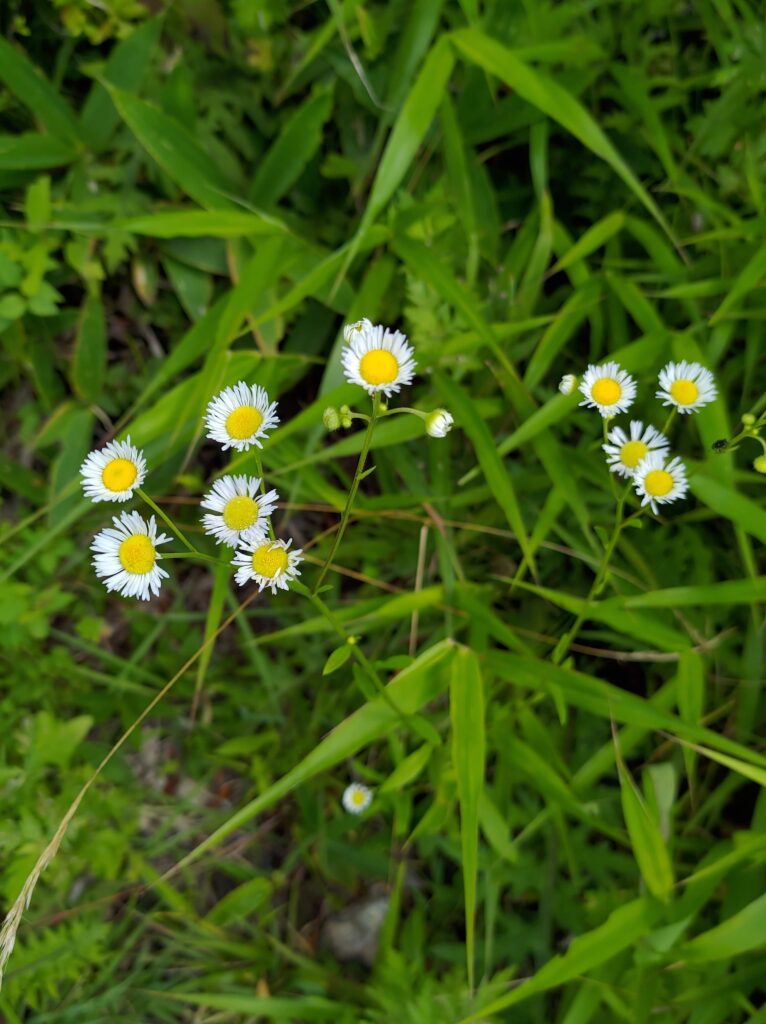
x,y
608,388
125,558
238,511
623,453
270,563
659,481
356,798
240,416
360,327
378,360
568,384
113,472
687,386
439,423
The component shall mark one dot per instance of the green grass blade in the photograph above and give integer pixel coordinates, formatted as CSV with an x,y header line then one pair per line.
x,y
468,752
494,471
31,88
555,101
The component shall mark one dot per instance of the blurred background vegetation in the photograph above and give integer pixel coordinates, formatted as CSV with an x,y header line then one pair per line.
x,y
206,192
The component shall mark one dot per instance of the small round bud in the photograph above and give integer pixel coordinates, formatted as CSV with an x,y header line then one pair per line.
x,y
721,445
345,416
350,331
748,419
759,464
439,423
331,418
568,384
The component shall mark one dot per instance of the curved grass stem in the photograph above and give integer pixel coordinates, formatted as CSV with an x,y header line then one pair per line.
x,y
352,492
167,520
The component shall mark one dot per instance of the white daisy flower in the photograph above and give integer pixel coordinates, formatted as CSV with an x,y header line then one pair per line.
x,y
658,481
568,384
360,327
126,557
439,423
608,389
378,360
114,472
356,798
270,563
687,386
239,512
240,416
624,452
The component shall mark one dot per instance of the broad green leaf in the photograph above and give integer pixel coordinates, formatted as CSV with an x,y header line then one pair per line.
x,y
254,1007
30,152
125,68
337,659
647,841
730,504
89,360
554,101
594,238
288,156
499,480
719,594
176,151
611,702
622,929
202,223
565,326
409,691
646,628
413,122
741,933
407,770
751,276
468,752
32,89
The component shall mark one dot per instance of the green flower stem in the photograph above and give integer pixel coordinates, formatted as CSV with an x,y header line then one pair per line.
x,y
413,721
599,580
192,554
352,493
669,420
166,519
259,468
406,409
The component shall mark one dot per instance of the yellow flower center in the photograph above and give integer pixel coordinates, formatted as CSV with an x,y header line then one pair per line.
x,y
268,560
243,422
240,513
632,453
137,554
685,392
658,483
378,367
119,474
357,797
606,391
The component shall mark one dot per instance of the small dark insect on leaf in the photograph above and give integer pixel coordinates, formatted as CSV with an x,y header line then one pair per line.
x,y
720,445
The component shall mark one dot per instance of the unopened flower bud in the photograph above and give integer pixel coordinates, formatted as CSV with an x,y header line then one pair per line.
x,y
759,464
568,384
350,331
331,418
748,419
439,423
345,416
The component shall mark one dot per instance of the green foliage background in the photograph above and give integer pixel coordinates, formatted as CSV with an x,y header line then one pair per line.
x,y
206,193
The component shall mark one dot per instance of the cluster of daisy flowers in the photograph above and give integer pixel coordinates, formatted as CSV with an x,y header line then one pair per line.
x,y
238,509
642,454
